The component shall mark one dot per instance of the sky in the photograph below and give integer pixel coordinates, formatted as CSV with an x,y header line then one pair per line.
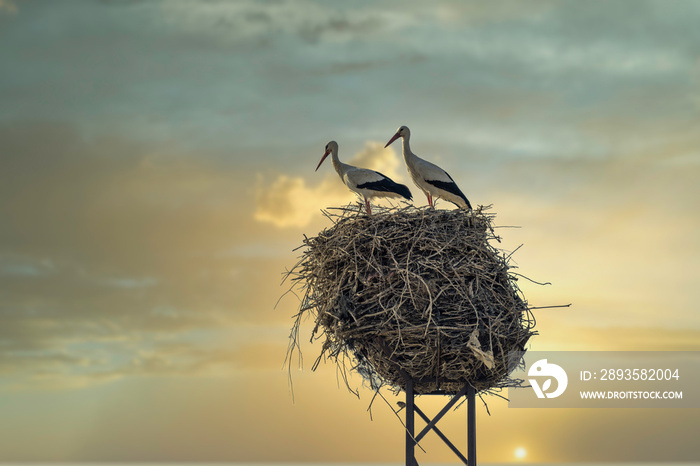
x,y
157,172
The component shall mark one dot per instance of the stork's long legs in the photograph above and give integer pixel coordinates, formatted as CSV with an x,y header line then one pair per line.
x,y
369,209
430,201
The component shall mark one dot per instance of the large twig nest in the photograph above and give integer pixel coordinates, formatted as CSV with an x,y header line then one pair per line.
x,y
413,292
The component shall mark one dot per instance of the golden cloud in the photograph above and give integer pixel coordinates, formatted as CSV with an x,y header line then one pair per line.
x,y
292,202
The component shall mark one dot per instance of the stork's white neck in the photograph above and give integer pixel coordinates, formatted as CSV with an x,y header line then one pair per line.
x,y
339,166
407,154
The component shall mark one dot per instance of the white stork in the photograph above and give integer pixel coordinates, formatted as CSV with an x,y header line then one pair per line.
x,y
431,179
363,181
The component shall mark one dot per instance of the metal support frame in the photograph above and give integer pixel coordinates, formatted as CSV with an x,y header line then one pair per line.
x,y
431,424
411,410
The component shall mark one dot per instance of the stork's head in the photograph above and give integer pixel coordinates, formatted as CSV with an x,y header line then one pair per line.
x,y
330,147
402,132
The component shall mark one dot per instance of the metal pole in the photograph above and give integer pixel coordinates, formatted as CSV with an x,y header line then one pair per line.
x,y
471,426
410,424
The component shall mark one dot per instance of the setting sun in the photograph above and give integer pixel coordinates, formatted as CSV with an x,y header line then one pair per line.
x,y
520,453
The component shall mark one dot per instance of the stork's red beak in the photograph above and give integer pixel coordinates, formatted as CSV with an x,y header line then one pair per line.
x,y
322,159
393,138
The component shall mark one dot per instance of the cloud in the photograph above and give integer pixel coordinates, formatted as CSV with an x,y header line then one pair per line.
x,y
195,359
109,249
291,202
260,23
512,80
132,248
632,338
8,6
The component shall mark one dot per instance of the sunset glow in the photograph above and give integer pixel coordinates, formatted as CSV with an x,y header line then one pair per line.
x,y
157,172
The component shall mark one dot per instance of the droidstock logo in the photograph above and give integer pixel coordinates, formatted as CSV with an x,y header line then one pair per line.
x,y
542,368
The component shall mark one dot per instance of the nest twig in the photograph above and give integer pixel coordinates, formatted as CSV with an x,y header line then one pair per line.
x,y
413,292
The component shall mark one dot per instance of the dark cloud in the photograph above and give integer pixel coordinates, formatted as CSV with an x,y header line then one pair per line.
x,y
264,72
106,246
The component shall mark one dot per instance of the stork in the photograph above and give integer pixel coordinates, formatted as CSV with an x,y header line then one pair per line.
x,y
431,179
363,181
